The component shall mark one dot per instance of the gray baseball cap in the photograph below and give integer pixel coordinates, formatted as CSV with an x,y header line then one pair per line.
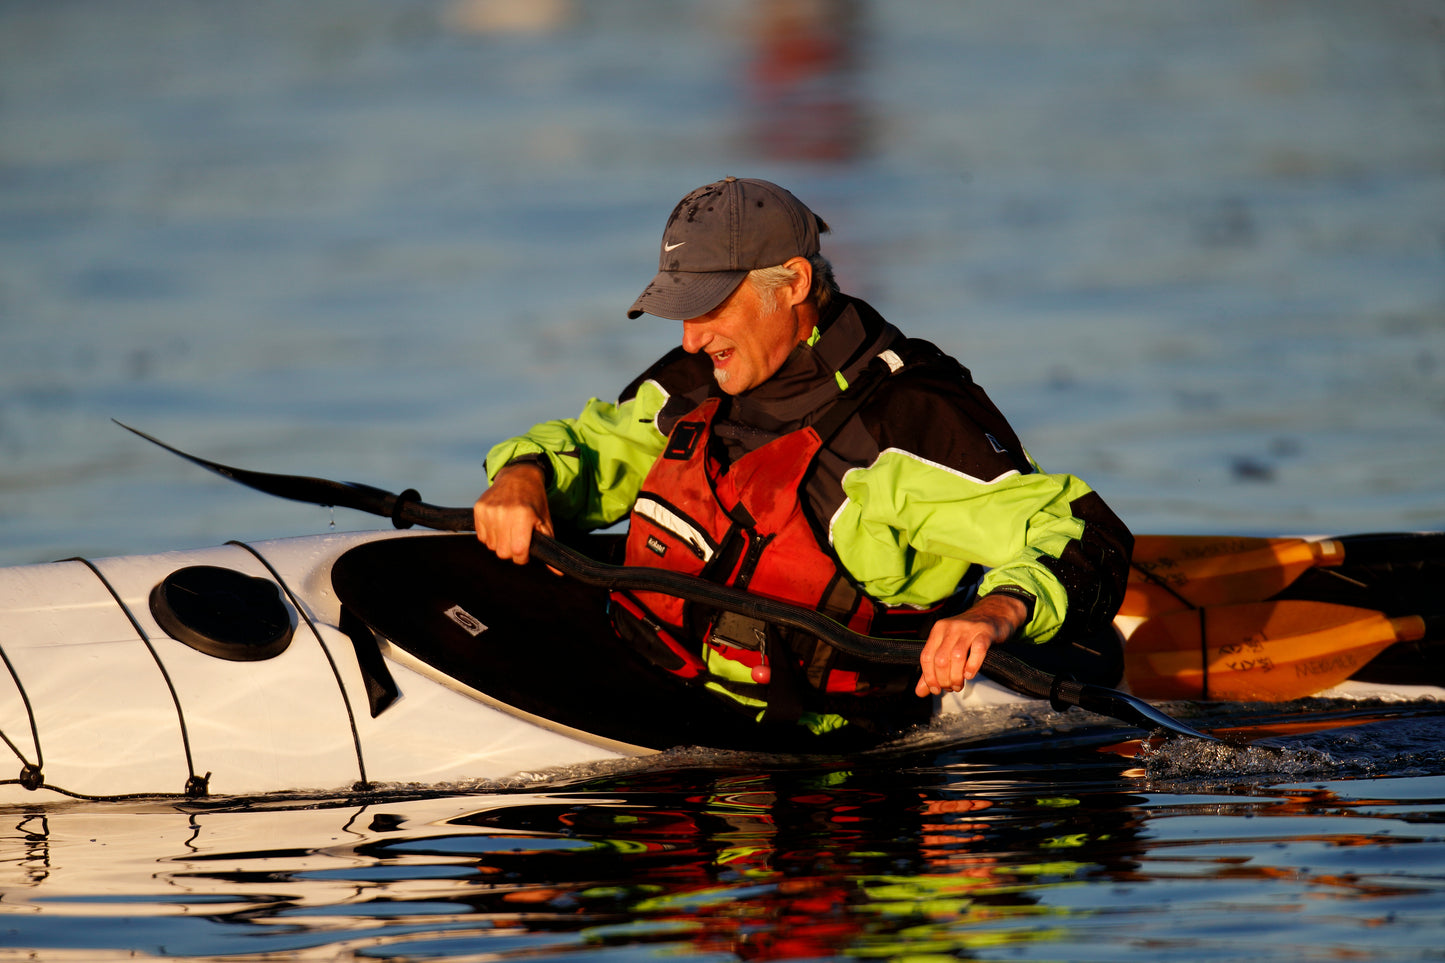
x,y
716,235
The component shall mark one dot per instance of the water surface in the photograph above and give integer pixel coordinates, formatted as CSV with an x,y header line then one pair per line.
x,y
1193,249
1304,853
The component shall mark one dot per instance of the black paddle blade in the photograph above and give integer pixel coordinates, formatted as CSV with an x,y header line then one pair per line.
x,y
404,510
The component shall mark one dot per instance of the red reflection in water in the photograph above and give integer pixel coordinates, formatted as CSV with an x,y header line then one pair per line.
x,y
803,80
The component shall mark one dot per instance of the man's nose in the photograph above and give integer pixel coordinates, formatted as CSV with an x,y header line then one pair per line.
x,y
694,337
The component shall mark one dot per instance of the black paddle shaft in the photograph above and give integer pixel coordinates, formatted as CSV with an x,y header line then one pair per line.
x,y
999,665
407,509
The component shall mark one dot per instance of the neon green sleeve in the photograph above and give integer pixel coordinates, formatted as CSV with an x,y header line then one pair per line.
x,y
598,459
909,530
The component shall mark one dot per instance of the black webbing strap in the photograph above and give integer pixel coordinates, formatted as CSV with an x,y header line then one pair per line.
x,y
380,684
856,395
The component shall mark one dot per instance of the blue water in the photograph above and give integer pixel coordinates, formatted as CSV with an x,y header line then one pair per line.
x,y
1193,248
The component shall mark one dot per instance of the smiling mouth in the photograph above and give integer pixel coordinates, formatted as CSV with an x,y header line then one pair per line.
x,y
719,373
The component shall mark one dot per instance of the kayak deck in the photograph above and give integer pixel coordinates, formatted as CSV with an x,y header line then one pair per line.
x,y
543,647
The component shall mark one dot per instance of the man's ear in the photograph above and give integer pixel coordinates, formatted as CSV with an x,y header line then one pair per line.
x,y
802,283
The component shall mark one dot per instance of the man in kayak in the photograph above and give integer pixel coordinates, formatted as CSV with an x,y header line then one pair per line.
x,y
798,445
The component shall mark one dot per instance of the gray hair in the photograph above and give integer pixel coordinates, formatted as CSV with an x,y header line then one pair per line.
x,y
769,281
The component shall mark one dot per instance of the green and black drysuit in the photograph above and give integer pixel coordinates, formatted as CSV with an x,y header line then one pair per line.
x,y
923,495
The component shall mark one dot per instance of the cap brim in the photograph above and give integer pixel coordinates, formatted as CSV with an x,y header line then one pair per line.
x,y
683,295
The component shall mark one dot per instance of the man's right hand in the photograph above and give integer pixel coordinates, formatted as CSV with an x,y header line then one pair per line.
x,y
511,509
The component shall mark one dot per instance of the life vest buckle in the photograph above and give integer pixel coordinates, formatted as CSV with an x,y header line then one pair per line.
x,y
739,632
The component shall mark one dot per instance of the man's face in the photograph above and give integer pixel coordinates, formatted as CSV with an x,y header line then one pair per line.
x,y
748,337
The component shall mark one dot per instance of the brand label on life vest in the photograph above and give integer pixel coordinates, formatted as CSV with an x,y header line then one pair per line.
x,y
469,622
670,521
683,440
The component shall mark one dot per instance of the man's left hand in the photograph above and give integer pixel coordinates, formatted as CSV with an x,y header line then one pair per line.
x,y
956,646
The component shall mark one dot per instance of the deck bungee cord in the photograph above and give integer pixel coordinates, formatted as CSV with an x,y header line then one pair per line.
x,y
32,774
196,785
301,613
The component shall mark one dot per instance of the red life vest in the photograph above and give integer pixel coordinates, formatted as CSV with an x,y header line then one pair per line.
x,y
744,525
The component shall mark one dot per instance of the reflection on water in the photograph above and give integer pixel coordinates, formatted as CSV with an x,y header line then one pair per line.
x,y
1068,857
805,80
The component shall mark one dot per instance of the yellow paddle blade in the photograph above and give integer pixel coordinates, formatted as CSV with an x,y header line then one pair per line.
x,y
1173,572
1259,651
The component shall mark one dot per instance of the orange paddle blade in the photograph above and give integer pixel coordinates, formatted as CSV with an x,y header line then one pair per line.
x,y
1172,572
1259,651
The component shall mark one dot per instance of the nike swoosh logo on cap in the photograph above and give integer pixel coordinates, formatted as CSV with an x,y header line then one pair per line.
x,y
672,247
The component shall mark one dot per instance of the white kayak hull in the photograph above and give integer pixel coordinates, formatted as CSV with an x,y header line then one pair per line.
x,y
98,704
93,704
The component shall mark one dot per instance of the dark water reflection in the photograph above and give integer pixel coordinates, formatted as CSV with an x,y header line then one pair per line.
x,y
770,865
1066,854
